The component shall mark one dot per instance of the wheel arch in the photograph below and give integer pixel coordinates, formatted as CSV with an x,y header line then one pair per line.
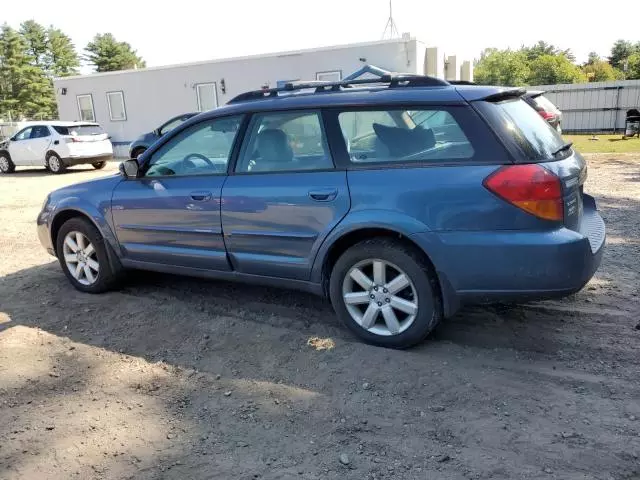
x,y
61,218
350,238
67,214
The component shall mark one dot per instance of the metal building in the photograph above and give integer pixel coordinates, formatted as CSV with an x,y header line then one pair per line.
x,y
129,103
594,107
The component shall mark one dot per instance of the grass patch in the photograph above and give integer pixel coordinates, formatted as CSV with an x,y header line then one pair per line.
x,y
604,144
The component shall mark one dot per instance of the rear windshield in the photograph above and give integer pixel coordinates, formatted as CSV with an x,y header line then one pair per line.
x,y
535,137
78,130
545,104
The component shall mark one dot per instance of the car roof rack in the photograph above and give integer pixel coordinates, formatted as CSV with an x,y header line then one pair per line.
x,y
392,80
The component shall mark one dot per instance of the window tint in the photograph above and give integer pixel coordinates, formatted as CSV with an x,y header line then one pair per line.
x,y
202,149
537,140
74,130
404,136
24,134
167,127
545,104
39,131
285,141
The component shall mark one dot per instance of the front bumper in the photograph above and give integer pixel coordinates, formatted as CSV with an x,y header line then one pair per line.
x,y
42,227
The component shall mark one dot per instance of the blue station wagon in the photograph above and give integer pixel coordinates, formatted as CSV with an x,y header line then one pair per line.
x,y
400,199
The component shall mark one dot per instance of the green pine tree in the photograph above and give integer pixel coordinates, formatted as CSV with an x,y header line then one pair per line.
x,y
25,90
61,58
107,54
35,37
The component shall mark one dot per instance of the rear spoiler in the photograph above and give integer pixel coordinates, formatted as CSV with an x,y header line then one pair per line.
x,y
505,95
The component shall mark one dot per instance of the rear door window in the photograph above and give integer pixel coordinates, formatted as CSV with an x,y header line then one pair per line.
x,y
520,123
39,131
402,135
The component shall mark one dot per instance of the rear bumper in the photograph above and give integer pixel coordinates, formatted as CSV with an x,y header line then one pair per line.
x,y
84,159
483,267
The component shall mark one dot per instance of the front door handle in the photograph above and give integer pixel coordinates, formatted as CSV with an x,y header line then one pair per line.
x,y
323,195
200,196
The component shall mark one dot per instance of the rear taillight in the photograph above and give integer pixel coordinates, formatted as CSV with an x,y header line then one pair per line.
x,y
532,188
546,115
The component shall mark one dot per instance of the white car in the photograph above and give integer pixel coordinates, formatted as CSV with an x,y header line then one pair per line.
x,y
56,146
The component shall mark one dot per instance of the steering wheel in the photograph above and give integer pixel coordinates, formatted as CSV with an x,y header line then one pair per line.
x,y
186,160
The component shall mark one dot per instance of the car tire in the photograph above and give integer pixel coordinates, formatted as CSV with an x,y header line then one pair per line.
x,y
384,314
99,165
54,163
92,271
137,152
6,164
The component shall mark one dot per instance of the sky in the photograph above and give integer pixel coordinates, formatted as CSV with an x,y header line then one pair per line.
x,y
181,31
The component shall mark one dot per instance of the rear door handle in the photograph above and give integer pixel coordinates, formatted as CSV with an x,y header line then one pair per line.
x,y
323,195
201,196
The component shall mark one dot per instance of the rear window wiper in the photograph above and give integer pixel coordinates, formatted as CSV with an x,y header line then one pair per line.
x,y
564,147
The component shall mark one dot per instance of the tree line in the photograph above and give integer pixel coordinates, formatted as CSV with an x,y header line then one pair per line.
x,y
546,64
33,55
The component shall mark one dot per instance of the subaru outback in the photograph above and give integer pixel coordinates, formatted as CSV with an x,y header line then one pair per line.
x,y
400,199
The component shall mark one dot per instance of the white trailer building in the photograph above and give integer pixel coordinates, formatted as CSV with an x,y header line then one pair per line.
x,y
131,102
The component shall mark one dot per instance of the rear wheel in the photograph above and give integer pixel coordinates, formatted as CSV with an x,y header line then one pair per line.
x,y
82,252
99,165
6,165
54,163
385,293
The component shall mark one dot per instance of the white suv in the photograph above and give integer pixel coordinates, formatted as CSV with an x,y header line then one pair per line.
x,y
56,146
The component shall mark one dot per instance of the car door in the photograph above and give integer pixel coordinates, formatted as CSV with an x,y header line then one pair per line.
x,y
284,197
170,215
38,144
19,147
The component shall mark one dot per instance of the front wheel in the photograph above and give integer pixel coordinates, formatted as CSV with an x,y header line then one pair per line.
x,y
6,165
82,253
385,293
99,165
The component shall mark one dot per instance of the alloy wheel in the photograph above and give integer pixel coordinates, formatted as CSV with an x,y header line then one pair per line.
x,y
380,297
4,164
80,258
54,163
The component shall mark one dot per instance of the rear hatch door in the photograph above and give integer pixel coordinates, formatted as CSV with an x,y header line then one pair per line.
x,y
86,140
532,140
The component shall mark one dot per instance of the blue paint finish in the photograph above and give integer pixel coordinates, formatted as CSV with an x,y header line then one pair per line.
x,y
91,199
279,228
171,220
440,198
271,224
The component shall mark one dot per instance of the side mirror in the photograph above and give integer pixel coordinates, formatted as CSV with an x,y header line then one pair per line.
x,y
130,168
157,133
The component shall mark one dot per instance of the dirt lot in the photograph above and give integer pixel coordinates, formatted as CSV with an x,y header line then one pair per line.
x,y
187,379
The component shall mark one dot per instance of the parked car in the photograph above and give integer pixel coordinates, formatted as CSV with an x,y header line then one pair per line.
x,y
144,141
400,200
56,146
545,108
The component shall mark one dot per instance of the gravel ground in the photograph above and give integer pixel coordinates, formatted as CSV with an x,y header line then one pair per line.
x,y
183,378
